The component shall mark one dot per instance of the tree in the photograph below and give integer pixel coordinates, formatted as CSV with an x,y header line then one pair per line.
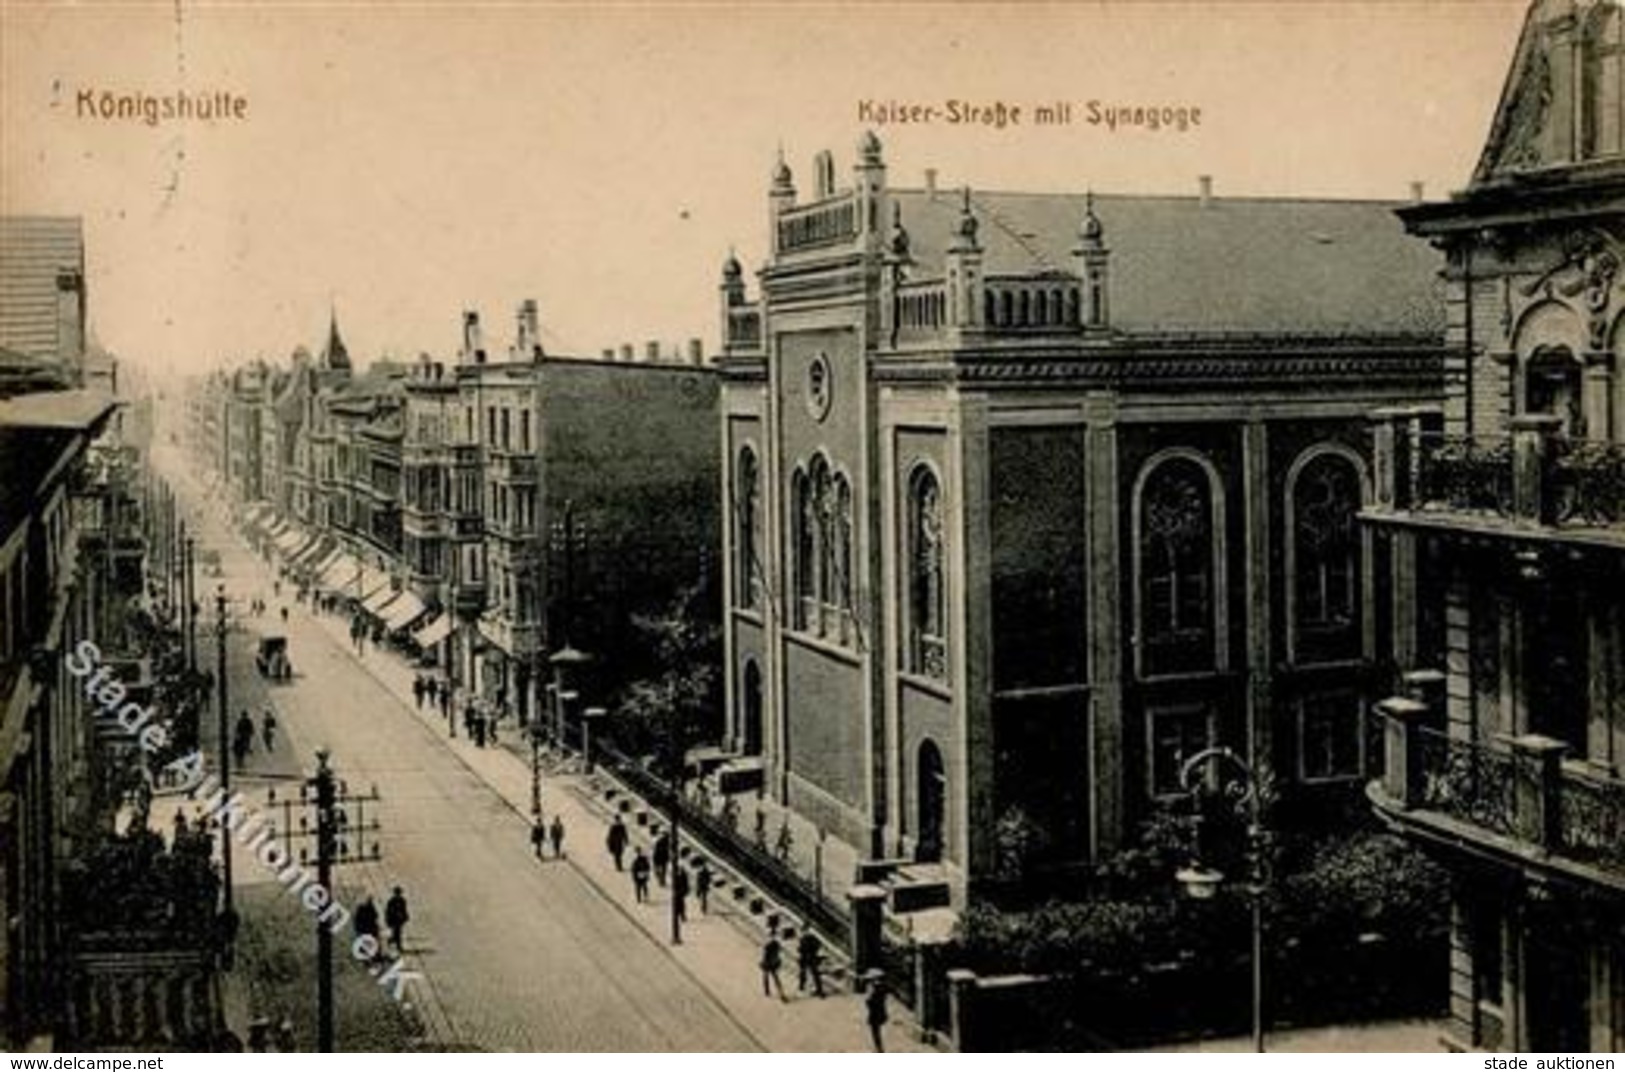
x,y
683,694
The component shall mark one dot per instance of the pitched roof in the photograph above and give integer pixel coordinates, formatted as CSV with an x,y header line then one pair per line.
x,y
1233,264
34,251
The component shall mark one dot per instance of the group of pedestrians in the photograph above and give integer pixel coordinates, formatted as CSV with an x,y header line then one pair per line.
x,y
395,917
242,744
543,833
426,690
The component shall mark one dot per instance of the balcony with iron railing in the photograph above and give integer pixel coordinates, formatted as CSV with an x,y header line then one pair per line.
x,y
511,467
1533,481
1516,798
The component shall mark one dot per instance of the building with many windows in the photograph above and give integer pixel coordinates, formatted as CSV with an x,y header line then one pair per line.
x,y
1031,496
1508,507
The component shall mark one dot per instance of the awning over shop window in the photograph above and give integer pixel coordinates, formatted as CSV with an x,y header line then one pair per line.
x,y
340,574
315,552
438,629
292,541
372,582
375,603
403,611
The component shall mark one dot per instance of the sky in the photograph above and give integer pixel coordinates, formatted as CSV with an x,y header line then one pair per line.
x,y
404,162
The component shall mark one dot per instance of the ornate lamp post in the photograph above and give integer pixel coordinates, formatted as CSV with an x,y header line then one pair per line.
x,y
1201,882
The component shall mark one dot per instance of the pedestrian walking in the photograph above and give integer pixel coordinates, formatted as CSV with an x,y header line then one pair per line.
x,y
874,1003
679,892
366,923
702,886
640,876
784,842
772,960
268,729
396,917
284,614
479,730
810,962
662,854
417,691
555,833
615,841
240,749
538,836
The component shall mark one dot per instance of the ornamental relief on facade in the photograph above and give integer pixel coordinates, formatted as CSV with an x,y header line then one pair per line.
x,y
1585,277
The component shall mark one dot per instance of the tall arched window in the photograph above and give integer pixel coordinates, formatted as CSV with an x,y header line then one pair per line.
x,y
823,509
927,603
804,527
1326,558
747,504
1602,102
842,558
1178,590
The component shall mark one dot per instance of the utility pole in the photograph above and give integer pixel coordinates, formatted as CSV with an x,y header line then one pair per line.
x,y
225,752
189,601
325,796
334,847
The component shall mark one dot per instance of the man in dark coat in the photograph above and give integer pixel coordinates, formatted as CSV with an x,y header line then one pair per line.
x,y
662,857
615,841
640,876
395,917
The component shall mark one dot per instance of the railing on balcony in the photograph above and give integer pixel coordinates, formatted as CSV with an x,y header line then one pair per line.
x,y
1465,472
1534,475
1592,820
744,327
1468,780
1524,797
922,307
828,222
1030,303
1587,479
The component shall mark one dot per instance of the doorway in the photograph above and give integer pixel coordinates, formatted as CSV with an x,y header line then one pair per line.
x,y
932,798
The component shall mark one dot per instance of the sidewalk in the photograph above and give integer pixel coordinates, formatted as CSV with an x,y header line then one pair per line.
x,y
719,951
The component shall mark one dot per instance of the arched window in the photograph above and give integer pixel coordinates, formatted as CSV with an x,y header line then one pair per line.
x,y
747,504
1552,385
927,604
1178,590
822,507
804,526
842,558
1602,102
1326,558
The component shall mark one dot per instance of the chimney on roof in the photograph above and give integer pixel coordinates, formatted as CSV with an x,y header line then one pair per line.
x,y
696,352
626,351
1205,185
1417,191
529,346
473,343
651,351
931,183
609,353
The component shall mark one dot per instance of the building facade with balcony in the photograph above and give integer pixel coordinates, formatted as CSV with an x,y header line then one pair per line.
x,y
1029,496
579,493
56,583
1507,511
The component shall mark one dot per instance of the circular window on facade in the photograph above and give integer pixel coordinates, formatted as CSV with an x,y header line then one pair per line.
x,y
819,387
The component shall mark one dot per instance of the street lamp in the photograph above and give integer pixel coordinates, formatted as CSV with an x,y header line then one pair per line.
x,y
1201,883
536,732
